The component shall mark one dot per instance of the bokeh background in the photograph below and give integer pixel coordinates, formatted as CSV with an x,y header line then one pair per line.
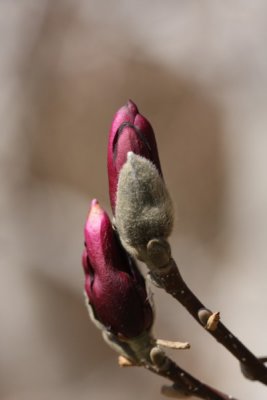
x,y
198,71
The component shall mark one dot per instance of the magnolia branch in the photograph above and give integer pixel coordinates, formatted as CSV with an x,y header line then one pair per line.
x,y
170,279
184,384
143,219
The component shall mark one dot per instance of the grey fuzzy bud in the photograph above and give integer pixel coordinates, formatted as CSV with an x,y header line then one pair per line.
x,y
144,208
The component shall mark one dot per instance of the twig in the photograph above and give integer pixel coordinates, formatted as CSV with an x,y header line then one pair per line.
x,y
184,383
170,279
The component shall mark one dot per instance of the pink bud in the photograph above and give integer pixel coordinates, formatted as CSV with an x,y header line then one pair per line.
x,y
113,284
130,131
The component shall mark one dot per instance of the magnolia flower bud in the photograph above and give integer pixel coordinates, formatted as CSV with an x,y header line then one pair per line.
x,y
113,285
130,131
144,209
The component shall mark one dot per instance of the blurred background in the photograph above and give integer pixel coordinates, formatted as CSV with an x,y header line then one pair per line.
x,y
198,72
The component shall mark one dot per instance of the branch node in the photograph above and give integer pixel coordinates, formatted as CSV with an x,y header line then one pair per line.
x,y
208,319
159,359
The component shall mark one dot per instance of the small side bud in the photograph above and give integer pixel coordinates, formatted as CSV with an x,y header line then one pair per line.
x,y
175,391
144,208
159,359
158,252
248,372
203,315
208,319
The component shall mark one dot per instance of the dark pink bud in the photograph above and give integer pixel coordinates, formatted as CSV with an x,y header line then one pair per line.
x,y
130,131
113,284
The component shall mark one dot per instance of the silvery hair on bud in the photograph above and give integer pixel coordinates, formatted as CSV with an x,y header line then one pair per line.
x,y
144,208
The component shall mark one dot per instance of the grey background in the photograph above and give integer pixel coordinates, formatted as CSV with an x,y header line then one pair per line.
x,y
197,70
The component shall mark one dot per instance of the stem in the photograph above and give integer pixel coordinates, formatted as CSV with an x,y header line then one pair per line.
x,y
146,351
186,383
170,279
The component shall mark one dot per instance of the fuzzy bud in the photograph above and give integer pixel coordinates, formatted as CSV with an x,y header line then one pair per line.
x,y
144,208
130,131
114,287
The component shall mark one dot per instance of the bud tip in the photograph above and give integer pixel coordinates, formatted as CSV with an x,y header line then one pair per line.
x,y
95,206
132,106
94,212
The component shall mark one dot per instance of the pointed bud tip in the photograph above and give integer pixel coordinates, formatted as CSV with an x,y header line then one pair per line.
x,y
95,207
95,211
130,131
94,202
132,106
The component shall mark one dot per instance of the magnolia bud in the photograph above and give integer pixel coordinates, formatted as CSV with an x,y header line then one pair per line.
x,y
114,286
144,208
130,131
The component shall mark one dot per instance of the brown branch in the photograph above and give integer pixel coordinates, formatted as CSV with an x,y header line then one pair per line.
x,y
184,383
170,279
